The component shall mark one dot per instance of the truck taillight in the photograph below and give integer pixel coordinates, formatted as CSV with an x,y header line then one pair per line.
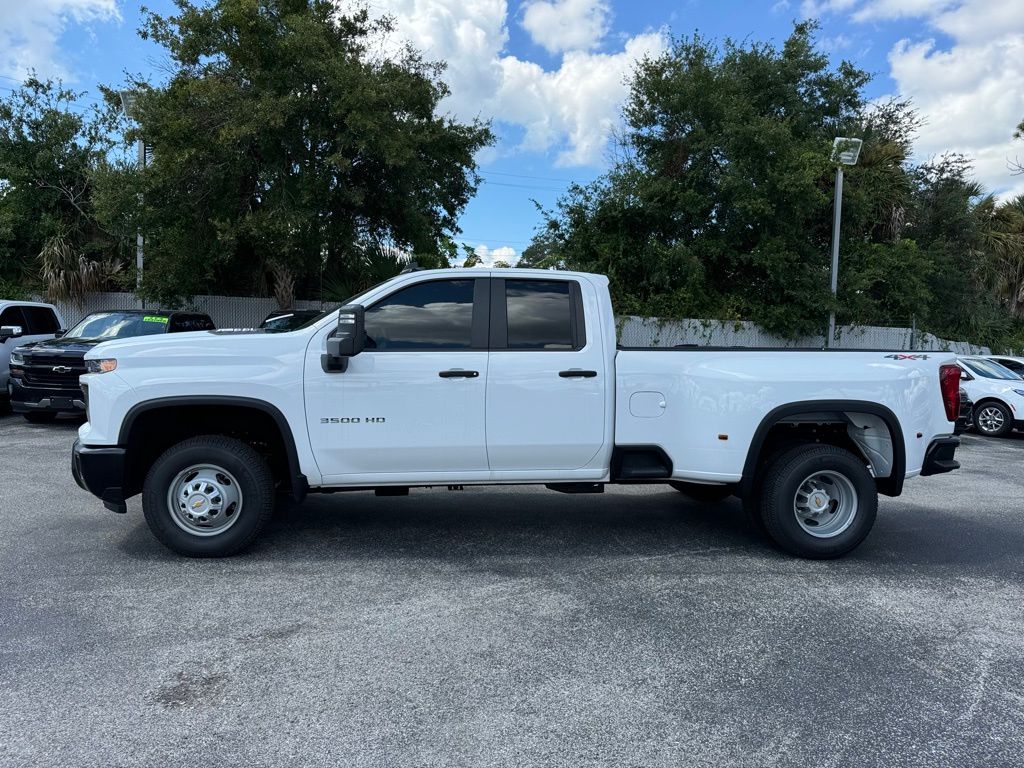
x,y
949,383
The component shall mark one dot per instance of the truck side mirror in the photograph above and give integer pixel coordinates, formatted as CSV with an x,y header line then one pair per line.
x,y
347,340
59,333
9,332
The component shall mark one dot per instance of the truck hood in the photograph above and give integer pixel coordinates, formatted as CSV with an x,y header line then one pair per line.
x,y
59,347
200,347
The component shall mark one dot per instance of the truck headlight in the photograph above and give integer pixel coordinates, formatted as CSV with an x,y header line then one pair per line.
x,y
101,366
17,358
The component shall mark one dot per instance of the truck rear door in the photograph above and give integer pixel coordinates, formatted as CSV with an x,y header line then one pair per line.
x,y
546,378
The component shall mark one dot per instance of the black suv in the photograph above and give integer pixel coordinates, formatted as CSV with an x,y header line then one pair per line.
x,y
44,374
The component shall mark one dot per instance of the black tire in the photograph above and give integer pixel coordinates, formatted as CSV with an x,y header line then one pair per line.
x,y
701,492
40,417
980,418
785,476
255,481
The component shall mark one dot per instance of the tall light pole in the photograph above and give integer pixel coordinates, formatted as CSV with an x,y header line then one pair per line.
x,y
128,99
844,152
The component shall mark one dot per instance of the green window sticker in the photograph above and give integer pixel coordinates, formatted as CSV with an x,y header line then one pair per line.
x,y
154,319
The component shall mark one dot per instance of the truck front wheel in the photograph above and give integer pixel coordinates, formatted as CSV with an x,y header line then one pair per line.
x,y
208,496
818,501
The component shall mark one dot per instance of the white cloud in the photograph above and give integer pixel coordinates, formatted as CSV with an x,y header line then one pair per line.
x,y
575,107
570,110
31,29
490,255
566,25
969,92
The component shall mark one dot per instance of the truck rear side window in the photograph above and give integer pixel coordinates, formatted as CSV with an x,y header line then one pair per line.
x,y
540,314
427,316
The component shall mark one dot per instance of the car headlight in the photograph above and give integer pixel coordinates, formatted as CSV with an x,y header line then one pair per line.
x,y
101,366
1019,392
17,358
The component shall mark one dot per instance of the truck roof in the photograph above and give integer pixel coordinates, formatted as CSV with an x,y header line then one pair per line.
x,y
151,312
20,303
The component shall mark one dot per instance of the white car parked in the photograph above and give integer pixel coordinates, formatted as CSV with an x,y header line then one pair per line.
x,y
20,323
998,395
1014,363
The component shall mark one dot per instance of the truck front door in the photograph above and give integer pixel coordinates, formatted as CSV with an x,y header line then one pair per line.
x,y
411,405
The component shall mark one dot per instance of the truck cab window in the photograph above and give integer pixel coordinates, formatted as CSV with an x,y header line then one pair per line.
x,y
539,314
41,320
428,316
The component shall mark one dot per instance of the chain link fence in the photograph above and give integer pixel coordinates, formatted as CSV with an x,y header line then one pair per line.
x,y
248,312
225,311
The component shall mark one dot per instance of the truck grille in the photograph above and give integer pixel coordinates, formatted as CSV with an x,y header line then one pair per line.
x,y
41,373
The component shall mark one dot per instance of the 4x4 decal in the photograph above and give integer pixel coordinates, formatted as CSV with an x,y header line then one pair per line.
x,y
902,356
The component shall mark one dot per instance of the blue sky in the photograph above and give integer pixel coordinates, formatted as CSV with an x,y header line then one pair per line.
x,y
550,73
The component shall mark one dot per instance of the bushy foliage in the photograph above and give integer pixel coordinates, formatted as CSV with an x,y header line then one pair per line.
x,y
720,204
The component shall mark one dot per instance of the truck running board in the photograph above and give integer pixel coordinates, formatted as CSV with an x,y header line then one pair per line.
x,y
576,487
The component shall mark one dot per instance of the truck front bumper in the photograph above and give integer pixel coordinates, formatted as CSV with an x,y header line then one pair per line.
x,y
43,400
939,456
101,472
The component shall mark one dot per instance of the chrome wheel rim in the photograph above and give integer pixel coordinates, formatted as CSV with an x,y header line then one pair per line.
x,y
825,504
204,500
990,419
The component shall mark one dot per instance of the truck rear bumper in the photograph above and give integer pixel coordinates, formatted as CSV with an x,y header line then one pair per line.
x,y
101,472
939,456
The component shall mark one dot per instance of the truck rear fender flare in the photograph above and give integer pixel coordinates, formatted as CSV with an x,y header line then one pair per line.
x,y
891,485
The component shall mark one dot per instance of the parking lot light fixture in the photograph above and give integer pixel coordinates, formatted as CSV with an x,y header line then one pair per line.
x,y
129,100
845,151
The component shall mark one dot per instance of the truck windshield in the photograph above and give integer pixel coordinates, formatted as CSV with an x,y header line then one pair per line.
x,y
116,325
990,370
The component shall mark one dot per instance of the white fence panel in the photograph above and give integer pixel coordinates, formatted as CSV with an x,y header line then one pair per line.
x,y
248,312
225,311
656,332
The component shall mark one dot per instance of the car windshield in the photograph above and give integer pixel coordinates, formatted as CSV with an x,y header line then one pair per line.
x,y
117,325
280,322
990,370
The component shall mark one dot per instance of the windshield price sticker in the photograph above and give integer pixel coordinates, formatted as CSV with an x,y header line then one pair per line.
x,y
154,319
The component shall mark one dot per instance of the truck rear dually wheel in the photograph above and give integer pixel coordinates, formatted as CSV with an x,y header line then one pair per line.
x,y
818,501
208,496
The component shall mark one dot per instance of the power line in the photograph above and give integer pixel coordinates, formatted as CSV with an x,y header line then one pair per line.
x,y
525,176
523,186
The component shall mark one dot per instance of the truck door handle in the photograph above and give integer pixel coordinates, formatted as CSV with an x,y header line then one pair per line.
x,y
458,373
576,373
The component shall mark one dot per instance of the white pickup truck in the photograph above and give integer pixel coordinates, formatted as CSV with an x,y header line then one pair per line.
x,y
458,377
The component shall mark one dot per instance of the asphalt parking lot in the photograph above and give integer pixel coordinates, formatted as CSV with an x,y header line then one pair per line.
x,y
511,627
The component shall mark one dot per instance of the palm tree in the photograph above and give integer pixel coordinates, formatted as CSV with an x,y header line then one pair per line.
x,y
67,274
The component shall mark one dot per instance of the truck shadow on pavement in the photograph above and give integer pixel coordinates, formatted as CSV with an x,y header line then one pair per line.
x,y
519,531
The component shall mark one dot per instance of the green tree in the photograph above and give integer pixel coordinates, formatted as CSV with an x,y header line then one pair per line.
x,y
721,205
284,146
50,150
